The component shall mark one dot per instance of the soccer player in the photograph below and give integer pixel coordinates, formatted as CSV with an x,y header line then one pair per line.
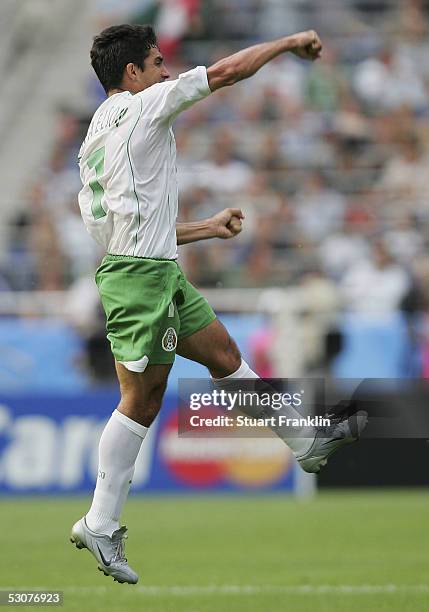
x,y
129,204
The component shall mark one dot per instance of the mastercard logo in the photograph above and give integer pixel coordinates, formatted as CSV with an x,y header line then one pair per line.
x,y
208,461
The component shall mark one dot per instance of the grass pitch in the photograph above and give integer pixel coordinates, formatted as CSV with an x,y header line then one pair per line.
x,y
339,552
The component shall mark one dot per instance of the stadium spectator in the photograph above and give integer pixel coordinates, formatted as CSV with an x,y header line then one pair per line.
x,y
319,209
223,173
388,81
376,285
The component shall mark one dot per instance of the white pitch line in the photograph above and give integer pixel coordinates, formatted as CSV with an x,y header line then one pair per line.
x,y
230,589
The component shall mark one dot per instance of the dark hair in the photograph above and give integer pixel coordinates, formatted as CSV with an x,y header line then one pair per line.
x,y
117,46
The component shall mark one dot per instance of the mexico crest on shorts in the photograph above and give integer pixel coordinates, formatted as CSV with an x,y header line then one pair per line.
x,y
169,339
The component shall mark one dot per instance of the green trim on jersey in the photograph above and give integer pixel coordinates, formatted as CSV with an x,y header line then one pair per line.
x,y
96,161
132,172
149,306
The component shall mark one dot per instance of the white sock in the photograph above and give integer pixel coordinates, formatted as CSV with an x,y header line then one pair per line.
x,y
300,442
119,446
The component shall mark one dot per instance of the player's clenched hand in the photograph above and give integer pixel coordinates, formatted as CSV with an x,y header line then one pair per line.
x,y
309,46
227,223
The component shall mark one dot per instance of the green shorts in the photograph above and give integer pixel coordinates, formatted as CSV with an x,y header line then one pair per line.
x,y
149,306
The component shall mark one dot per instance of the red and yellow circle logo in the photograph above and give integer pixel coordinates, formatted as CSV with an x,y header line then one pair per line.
x,y
210,460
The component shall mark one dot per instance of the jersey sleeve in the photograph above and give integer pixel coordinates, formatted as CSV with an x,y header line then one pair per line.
x,y
164,101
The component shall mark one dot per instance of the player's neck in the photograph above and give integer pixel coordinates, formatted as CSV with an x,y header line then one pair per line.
x,y
114,91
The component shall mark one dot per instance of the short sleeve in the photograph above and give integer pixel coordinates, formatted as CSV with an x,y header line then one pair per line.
x,y
164,101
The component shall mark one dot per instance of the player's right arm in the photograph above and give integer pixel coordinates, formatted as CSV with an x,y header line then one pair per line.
x,y
162,102
245,63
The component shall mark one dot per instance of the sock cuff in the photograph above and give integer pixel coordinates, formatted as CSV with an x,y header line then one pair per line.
x,y
243,371
133,426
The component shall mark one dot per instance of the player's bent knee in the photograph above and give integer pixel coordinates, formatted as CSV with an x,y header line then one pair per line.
x,y
143,412
143,404
233,355
227,361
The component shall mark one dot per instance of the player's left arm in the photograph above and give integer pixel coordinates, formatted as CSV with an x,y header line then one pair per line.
x,y
225,224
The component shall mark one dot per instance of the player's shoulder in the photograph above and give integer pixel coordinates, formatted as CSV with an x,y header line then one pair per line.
x,y
194,77
154,91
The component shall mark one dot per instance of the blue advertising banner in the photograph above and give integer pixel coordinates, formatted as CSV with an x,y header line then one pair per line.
x,y
48,444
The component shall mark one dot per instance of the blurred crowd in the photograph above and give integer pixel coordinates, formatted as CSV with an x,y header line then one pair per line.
x,y
327,161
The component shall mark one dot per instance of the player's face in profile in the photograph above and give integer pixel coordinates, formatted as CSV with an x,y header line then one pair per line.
x,y
154,69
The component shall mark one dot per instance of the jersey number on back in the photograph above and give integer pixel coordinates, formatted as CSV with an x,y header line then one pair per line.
x,y
96,161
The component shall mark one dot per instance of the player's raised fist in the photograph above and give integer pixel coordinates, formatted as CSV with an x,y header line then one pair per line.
x,y
227,223
309,46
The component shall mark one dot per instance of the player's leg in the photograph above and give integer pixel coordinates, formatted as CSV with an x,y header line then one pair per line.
x,y
137,319
204,339
142,393
137,298
120,442
213,347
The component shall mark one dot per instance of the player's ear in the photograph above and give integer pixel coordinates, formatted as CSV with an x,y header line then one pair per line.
x,y
130,71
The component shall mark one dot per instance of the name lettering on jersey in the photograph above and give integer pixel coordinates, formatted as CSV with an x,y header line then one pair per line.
x,y
106,119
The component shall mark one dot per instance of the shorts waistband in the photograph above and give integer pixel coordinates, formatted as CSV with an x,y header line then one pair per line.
x,y
136,258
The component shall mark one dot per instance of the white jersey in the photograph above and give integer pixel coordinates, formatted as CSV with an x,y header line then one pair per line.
x,y
127,166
